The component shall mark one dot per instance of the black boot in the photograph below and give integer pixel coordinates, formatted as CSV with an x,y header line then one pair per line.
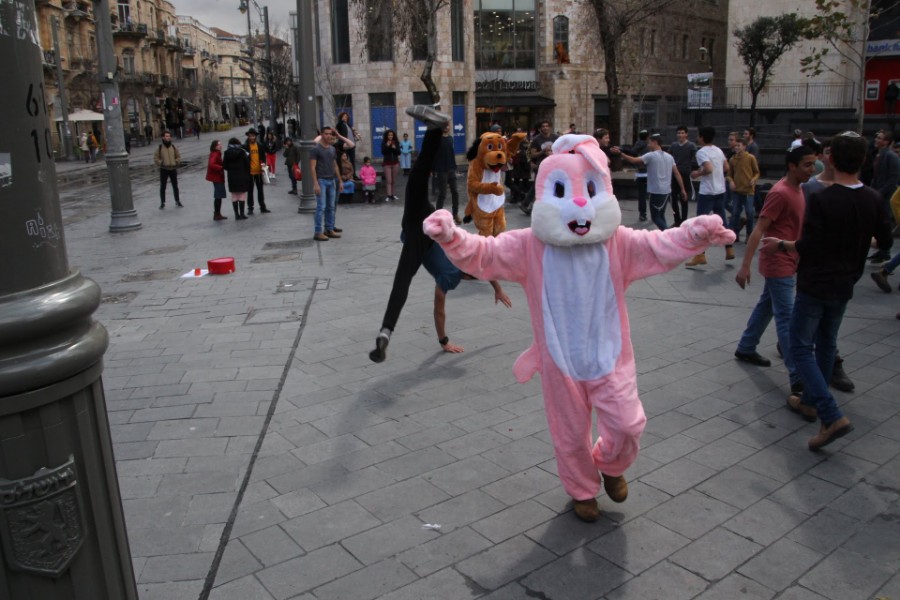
x,y
237,215
839,379
241,208
217,210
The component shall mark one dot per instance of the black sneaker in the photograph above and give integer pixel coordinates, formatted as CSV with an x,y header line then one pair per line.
x,y
162,206
880,278
179,204
754,358
642,218
380,352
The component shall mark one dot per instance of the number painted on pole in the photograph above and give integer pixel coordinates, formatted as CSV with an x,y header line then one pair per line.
x,y
31,103
48,149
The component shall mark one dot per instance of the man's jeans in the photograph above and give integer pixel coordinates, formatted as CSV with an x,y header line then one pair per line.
x,y
658,203
325,202
711,203
814,328
745,203
892,264
776,300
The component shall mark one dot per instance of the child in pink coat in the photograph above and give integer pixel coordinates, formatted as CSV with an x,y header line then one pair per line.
x,y
369,178
575,263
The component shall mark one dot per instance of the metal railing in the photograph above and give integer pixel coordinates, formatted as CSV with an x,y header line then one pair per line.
x,y
795,95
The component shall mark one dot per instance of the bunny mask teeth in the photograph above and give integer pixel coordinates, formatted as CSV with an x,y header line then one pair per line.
x,y
580,226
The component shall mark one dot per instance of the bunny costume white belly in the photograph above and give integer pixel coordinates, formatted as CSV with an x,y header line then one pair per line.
x,y
581,323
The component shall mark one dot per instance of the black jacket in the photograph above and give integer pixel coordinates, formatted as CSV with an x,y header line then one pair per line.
x,y
237,165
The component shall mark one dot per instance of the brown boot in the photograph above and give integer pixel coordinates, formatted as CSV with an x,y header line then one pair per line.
x,y
700,259
804,410
828,434
729,253
616,487
586,510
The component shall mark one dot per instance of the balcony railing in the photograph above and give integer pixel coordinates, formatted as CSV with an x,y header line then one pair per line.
x,y
802,95
130,29
188,51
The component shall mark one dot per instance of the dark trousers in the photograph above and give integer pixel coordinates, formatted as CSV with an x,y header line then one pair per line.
x,y
258,181
164,175
445,180
290,170
679,202
641,183
416,208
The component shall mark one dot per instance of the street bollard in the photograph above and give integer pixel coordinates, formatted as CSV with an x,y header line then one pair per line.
x,y
62,529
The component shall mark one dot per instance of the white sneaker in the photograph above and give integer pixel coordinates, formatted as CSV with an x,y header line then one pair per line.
x,y
428,115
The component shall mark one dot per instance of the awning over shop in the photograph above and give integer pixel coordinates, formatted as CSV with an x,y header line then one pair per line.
x,y
83,115
482,99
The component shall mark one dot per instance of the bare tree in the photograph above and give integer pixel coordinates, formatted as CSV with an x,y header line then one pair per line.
x,y
615,19
844,26
409,21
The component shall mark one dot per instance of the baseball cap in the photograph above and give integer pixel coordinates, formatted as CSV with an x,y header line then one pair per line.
x,y
495,128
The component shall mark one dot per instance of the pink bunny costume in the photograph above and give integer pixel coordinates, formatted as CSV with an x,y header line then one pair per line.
x,y
575,263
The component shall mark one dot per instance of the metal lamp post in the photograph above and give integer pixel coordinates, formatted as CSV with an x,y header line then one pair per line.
x,y
123,216
62,529
307,63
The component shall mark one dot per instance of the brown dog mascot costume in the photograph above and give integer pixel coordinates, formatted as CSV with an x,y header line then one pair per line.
x,y
488,158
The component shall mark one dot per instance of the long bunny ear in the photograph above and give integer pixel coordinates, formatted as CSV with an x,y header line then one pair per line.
x,y
586,146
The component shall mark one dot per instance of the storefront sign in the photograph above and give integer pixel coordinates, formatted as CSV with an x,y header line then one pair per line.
x,y
503,85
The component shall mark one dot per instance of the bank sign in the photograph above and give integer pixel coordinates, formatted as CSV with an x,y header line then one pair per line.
x,y
883,48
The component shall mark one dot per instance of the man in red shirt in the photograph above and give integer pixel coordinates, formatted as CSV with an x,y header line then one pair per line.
x,y
781,217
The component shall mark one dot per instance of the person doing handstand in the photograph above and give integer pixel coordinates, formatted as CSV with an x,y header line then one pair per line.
x,y
419,249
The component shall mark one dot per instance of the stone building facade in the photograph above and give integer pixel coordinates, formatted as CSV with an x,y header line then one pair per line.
x,y
516,62
148,55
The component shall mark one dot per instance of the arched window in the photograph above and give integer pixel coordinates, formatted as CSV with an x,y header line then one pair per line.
x,y
561,32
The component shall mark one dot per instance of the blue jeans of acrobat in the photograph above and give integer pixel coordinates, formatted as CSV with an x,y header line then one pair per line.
x,y
711,203
814,329
742,202
325,203
776,300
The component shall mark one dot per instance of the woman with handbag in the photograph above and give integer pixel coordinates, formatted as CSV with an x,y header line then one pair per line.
x,y
215,174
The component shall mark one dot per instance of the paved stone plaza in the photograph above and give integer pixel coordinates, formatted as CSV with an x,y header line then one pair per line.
x,y
263,456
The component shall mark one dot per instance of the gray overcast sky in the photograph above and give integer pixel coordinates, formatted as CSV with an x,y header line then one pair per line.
x,y
224,14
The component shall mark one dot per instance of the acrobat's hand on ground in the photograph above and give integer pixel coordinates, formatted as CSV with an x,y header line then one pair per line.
x,y
439,226
711,229
502,298
452,348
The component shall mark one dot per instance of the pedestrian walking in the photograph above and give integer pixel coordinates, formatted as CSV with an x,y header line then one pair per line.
x,y
839,224
271,146
742,177
85,149
711,199
215,173
167,159
659,169
445,171
369,180
684,152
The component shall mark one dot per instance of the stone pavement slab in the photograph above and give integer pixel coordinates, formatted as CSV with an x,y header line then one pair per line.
x,y
263,456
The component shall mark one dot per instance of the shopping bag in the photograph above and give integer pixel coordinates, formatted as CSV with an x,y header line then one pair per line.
x,y
265,174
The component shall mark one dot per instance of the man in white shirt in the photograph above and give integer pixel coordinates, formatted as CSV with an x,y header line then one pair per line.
x,y
660,173
711,198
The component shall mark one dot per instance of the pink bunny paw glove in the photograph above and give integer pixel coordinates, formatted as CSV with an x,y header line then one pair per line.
x,y
711,229
439,226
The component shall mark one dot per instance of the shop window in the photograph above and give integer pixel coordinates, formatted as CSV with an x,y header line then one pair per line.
x,y
505,34
457,31
340,32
